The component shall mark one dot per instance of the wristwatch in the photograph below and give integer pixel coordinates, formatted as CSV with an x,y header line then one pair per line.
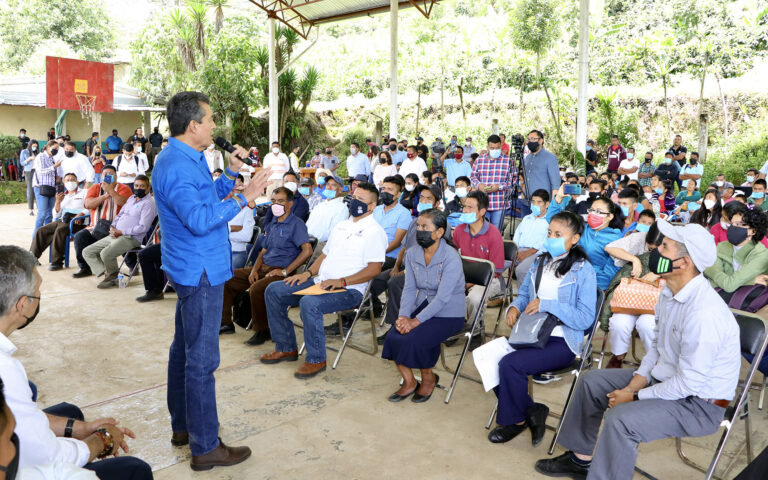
x,y
285,274
635,397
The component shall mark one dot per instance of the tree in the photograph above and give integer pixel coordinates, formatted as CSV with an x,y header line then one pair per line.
x,y
26,25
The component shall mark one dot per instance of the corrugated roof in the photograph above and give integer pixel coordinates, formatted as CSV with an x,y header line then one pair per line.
x,y
302,15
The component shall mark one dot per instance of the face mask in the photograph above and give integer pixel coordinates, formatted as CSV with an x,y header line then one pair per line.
x,y
423,206
495,153
750,178
536,210
694,161
382,161
392,148
639,208
594,195
757,195
648,195
321,181
13,468
555,246
461,192
648,160
624,210
70,186
719,183
470,217
140,192
595,221
34,148
409,187
357,208
424,238
668,161
736,235
278,210
641,227
630,156
69,154
329,194
401,148
304,191
137,148
709,204
659,264
32,318
458,155
54,152
353,150
410,155
275,150
659,190
533,146
589,148
290,186
693,206
96,154
387,198
724,225
453,142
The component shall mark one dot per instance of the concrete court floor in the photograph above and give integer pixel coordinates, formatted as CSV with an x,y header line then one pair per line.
x,y
105,352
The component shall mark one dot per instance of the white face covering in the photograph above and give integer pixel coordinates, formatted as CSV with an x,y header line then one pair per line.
x,y
409,187
70,186
275,150
210,147
290,186
138,148
709,204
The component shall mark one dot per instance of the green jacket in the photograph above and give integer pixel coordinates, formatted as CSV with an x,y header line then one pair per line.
x,y
752,258
624,272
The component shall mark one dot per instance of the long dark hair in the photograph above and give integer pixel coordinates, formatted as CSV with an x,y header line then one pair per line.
x,y
415,179
386,154
618,218
29,148
701,215
576,254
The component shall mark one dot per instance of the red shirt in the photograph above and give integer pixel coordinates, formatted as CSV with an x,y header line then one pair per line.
x,y
95,191
720,234
487,245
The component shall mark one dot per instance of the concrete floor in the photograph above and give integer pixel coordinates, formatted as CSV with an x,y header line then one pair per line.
x,y
105,352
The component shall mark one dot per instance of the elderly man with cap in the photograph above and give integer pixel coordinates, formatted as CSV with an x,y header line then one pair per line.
x,y
330,211
684,383
306,191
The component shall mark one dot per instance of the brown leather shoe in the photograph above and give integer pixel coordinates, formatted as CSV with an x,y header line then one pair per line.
x,y
309,370
614,362
221,456
179,439
495,303
277,357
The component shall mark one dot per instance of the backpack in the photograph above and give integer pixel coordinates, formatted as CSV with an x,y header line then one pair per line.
x,y
750,298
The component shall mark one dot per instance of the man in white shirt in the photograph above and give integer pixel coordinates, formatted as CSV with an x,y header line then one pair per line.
x,y
141,157
127,166
60,433
630,165
468,149
357,163
75,162
352,256
240,228
213,158
412,164
684,383
328,212
278,162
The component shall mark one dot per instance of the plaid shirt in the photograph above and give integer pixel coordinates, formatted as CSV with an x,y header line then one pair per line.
x,y
646,168
489,171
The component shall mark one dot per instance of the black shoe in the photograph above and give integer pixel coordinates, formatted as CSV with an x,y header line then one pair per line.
x,y
378,308
55,267
333,329
150,295
505,433
395,398
423,398
562,466
536,419
382,338
259,338
226,329
475,342
180,439
83,272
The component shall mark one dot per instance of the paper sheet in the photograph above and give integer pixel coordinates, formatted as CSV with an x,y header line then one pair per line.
x,y
487,358
316,289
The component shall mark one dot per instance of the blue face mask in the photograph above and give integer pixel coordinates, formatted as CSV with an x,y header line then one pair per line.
x,y
423,206
470,217
693,206
639,208
536,210
589,148
555,246
321,181
641,227
329,194
304,190
757,195
659,191
625,210
495,153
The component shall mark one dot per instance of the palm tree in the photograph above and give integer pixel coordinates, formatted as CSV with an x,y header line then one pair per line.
x,y
198,11
218,6
185,38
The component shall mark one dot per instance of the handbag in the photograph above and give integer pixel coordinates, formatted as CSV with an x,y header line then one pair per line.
x,y
47,191
533,331
101,229
635,296
748,297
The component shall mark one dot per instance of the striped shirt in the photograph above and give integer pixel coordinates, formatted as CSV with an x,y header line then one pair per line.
x,y
490,171
45,173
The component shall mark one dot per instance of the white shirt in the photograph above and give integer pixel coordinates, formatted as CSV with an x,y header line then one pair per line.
x,y
383,171
629,165
143,161
214,159
550,283
412,165
633,244
325,216
241,238
56,471
696,348
72,203
128,166
278,163
39,444
79,164
350,248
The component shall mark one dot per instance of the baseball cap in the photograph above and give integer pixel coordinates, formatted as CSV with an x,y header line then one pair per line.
x,y
336,179
697,240
468,138
361,178
419,138
306,181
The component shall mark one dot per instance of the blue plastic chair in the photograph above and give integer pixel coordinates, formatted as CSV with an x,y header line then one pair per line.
x,y
86,220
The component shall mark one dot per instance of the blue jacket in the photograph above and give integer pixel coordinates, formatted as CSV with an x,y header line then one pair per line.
x,y
575,305
593,242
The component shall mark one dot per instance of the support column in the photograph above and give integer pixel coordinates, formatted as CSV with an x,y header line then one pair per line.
x,y
582,103
147,127
273,101
393,82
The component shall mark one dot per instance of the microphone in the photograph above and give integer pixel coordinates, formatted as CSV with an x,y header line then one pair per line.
x,y
224,144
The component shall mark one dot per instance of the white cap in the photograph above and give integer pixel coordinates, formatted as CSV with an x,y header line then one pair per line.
x,y
697,240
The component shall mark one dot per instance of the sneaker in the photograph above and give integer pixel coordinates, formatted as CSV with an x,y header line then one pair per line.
x,y
562,466
545,379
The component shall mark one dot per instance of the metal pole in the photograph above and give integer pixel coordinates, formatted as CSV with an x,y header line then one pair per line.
x,y
393,10
273,102
581,115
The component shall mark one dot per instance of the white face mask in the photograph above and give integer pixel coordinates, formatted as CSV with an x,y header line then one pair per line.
x,y
275,150
709,204
649,195
409,187
70,186
138,149
719,183
292,186
353,150
461,192
724,225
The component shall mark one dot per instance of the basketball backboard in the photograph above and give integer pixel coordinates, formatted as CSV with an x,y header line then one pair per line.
x,y
79,84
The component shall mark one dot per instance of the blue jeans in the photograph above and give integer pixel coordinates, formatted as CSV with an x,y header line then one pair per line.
x,y
278,297
239,258
96,178
193,358
495,216
44,210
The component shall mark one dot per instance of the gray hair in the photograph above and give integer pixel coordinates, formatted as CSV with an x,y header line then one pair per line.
x,y
16,276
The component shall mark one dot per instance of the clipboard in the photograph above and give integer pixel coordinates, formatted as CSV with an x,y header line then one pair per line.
x,y
316,289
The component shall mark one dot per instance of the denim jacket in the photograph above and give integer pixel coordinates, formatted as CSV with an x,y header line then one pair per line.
x,y
575,305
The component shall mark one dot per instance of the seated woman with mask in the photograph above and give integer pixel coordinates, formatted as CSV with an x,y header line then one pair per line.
x,y
567,290
741,257
431,307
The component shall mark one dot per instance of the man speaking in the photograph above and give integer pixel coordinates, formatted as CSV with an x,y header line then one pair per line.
x,y
197,258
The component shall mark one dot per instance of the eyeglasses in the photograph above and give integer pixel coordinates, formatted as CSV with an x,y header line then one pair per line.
x,y
598,212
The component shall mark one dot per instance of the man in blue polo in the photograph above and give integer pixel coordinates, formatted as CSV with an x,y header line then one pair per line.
x,y
392,216
197,258
114,143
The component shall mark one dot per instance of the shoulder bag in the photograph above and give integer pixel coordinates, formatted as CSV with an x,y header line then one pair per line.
x,y
533,331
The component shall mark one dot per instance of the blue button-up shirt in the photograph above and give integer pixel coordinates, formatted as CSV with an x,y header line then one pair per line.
x,y
193,216
542,171
455,169
358,164
283,241
397,218
531,232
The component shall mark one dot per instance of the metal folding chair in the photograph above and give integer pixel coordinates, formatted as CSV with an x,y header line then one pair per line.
x,y
508,292
632,351
86,220
149,239
252,253
478,272
753,342
579,364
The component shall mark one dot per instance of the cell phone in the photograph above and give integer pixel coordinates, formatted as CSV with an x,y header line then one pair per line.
x,y
109,178
572,189
59,188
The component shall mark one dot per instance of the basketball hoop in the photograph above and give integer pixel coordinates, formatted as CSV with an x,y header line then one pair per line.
x,y
87,104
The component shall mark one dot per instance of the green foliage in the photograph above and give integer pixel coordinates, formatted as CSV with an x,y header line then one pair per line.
x,y
13,193
534,26
9,146
612,119
82,26
748,149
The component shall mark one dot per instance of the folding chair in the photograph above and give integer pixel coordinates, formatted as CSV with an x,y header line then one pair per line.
x,y
582,362
478,272
252,253
632,351
86,220
149,239
753,342
510,261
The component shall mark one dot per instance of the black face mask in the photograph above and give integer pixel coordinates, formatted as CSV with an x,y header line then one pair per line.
x,y
96,154
140,192
32,318
387,198
54,151
382,161
694,161
533,146
594,195
327,152
69,154
400,148
659,264
12,469
736,235
357,208
392,148
648,160
424,238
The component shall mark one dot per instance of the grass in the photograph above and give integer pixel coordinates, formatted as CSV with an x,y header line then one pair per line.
x,y
13,192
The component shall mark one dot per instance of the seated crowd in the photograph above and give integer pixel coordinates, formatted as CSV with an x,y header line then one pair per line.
x,y
398,227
